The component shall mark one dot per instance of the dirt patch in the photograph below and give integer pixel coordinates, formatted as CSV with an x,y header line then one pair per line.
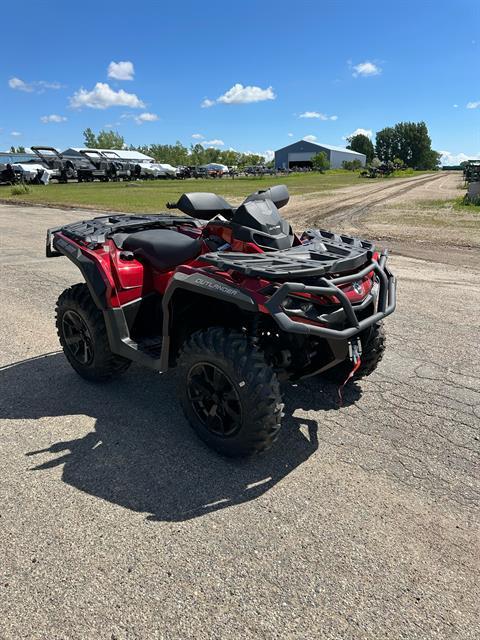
x,y
415,217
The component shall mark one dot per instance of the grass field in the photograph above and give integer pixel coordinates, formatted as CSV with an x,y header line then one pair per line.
x,y
457,204
152,195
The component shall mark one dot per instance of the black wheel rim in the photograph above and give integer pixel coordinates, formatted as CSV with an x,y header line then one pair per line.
x,y
214,399
77,337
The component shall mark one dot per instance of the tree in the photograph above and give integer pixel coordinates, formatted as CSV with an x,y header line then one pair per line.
x,y
110,140
431,160
320,162
409,142
386,144
90,139
104,139
176,154
361,144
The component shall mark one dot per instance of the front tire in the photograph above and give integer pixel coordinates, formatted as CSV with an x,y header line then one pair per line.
x,y
229,394
83,336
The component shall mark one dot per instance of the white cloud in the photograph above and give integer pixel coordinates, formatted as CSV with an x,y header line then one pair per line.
x,y
317,115
53,118
15,134
238,94
473,105
366,69
49,85
146,117
360,131
449,158
310,138
38,86
197,136
312,114
16,83
213,143
102,96
290,135
455,106
268,154
121,70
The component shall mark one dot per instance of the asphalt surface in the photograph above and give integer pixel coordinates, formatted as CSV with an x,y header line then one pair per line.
x,y
116,523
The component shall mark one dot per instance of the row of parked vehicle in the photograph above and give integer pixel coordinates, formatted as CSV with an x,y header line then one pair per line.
x,y
48,164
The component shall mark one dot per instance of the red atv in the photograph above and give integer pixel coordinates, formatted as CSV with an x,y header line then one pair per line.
x,y
232,298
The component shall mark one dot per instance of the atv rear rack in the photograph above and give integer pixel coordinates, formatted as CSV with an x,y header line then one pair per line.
x,y
96,231
329,287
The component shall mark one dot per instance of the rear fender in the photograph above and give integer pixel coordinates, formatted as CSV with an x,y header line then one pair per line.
x,y
99,285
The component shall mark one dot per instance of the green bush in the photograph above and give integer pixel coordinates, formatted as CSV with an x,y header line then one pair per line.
x,y
19,189
352,165
320,162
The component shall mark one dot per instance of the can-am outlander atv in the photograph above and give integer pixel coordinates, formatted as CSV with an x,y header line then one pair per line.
x,y
232,298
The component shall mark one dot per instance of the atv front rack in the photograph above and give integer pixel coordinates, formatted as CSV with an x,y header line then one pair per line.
x,y
317,257
385,303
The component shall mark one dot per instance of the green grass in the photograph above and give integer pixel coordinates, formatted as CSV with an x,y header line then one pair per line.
x,y
461,204
152,195
457,204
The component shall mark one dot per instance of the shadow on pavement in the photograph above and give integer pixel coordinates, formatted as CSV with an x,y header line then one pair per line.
x,y
142,454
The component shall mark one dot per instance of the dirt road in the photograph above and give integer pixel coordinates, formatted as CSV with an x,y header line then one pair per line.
x,y
116,523
342,204
412,216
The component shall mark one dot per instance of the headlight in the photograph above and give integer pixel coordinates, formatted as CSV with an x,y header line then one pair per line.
x,y
295,305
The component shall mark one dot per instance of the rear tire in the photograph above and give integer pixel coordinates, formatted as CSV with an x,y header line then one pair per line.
x,y
83,336
229,394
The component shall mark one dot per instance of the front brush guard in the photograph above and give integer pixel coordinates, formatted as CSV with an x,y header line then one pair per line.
x,y
386,302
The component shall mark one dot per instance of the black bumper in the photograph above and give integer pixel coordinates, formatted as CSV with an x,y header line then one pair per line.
x,y
329,288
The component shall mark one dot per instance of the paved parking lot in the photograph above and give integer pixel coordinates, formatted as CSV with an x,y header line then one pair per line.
x,y
117,523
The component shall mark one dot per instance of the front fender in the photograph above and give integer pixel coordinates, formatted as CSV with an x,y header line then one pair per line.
x,y
205,285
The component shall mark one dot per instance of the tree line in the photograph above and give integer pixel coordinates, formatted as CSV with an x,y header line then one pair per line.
x,y
407,143
175,154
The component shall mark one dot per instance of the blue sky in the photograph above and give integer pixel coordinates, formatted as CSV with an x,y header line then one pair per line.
x,y
251,75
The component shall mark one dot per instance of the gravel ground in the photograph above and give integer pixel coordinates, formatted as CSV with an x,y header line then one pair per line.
x,y
116,523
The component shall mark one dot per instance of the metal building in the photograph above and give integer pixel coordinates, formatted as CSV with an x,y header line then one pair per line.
x,y
300,154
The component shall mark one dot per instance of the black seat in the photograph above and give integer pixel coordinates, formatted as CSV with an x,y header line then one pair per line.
x,y
162,248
